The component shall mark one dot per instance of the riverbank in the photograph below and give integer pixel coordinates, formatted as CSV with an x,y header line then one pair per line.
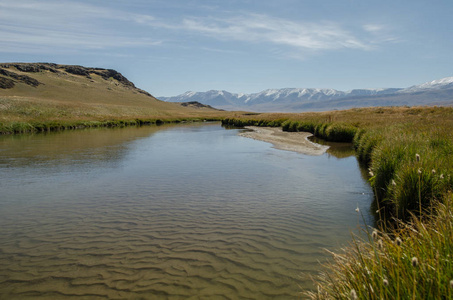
x,y
49,126
290,141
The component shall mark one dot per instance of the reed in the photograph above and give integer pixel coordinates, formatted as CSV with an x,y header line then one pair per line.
x,y
413,262
412,168
243,122
49,126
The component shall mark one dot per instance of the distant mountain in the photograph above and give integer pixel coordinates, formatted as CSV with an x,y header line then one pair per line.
x,y
437,92
441,84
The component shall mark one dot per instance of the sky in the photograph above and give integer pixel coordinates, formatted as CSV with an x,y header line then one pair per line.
x,y
168,47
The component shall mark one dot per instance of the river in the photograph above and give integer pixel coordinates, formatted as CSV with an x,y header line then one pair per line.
x,y
170,212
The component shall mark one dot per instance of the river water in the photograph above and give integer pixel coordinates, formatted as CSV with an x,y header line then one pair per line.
x,y
169,212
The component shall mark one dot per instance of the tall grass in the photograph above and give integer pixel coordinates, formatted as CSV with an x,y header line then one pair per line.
x,y
239,122
412,167
48,126
413,262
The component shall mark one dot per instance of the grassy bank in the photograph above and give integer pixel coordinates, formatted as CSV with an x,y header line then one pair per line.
x,y
25,115
36,127
409,153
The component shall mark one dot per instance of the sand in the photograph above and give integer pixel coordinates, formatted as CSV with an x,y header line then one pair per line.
x,y
290,141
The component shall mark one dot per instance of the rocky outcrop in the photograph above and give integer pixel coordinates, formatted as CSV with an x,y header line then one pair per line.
x,y
104,73
77,70
31,67
197,104
14,77
109,73
6,83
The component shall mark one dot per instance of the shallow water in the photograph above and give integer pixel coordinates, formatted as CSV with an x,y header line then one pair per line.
x,y
169,212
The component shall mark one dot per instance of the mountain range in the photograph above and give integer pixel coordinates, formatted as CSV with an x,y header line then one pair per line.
x,y
437,92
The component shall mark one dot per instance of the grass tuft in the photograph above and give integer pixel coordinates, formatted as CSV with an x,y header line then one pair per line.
x,y
414,262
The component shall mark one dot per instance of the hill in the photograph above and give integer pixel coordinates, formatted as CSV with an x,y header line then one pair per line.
x,y
46,91
437,92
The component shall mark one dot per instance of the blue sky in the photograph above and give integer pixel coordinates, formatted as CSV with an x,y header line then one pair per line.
x,y
168,47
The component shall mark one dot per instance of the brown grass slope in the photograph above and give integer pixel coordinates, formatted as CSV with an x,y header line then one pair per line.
x,y
41,92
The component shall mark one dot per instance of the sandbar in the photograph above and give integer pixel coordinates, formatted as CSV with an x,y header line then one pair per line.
x,y
289,141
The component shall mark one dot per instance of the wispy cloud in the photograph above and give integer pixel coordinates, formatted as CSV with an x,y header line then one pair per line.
x,y
54,37
261,28
32,26
374,28
379,33
55,25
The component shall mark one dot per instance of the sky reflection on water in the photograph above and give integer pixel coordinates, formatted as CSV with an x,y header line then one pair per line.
x,y
168,212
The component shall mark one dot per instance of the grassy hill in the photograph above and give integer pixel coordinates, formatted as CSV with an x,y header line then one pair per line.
x,y
44,92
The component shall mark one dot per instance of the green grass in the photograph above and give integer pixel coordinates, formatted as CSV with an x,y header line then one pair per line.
x,y
48,126
413,262
404,183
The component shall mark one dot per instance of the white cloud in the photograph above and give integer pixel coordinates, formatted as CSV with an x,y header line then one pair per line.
x,y
375,28
31,26
67,24
261,28
380,34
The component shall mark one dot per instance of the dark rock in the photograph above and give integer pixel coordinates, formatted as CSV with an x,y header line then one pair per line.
x,y
28,68
6,83
144,92
31,67
22,78
109,73
196,104
77,70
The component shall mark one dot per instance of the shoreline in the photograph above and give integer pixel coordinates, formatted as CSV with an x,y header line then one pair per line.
x,y
30,127
289,141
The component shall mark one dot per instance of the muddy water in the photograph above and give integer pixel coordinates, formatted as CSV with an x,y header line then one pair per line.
x,y
169,212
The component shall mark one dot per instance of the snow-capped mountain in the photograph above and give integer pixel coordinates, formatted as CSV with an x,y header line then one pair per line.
x,y
437,92
217,99
223,99
290,95
444,83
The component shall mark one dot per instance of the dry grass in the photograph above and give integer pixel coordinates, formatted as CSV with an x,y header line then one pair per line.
x,y
365,118
67,98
